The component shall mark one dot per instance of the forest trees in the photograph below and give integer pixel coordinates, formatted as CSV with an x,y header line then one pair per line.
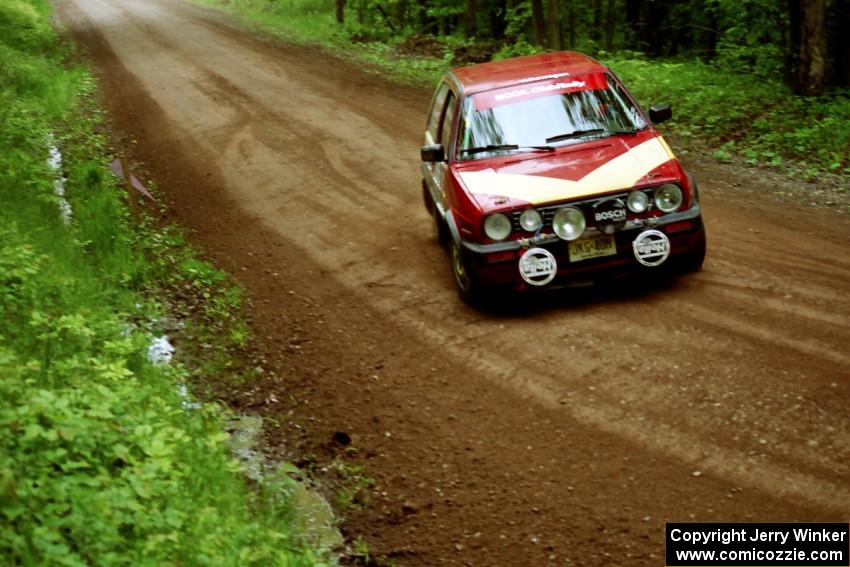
x,y
807,53
804,41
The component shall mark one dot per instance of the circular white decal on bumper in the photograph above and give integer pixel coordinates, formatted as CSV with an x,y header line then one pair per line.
x,y
651,247
538,266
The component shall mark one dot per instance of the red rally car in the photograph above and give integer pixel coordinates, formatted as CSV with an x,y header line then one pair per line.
x,y
545,171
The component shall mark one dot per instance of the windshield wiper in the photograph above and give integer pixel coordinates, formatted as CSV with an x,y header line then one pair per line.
x,y
629,132
577,133
508,147
574,134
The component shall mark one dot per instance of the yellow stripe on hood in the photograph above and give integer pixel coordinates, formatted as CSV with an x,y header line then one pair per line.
x,y
621,172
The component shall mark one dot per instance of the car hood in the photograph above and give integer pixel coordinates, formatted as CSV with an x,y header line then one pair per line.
x,y
571,172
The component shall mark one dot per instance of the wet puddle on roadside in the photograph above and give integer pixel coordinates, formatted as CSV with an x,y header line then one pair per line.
x,y
314,516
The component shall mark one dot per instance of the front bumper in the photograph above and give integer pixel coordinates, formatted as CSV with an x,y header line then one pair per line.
x,y
497,264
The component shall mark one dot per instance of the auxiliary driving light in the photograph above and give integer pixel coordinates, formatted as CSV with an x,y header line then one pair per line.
x,y
668,197
569,223
530,220
638,201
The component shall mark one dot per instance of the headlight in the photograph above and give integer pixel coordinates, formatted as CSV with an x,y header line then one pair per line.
x,y
497,227
638,201
668,197
530,220
569,223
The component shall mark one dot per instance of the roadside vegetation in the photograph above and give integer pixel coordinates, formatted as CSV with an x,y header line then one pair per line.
x,y
104,459
735,72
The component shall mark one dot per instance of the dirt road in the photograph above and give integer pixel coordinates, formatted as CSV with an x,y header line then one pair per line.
x,y
564,432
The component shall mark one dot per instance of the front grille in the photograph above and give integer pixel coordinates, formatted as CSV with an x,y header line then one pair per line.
x,y
586,207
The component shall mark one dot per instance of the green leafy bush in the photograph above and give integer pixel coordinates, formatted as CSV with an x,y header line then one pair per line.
x,y
754,113
100,462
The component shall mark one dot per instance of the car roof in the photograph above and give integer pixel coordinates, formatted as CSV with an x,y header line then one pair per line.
x,y
507,72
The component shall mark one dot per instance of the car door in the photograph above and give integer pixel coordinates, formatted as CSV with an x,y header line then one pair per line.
x,y
440,123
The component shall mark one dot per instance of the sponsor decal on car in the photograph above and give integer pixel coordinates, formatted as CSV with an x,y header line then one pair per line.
x,y
651,247
560,87
525,91
610,215
537,266
621,172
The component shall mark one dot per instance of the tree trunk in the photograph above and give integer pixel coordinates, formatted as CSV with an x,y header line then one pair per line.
x,y
572,24
538,23
498,22
340,11
634,25
652,21
808,60
469,19
793,40
553,25
712,35
596,31
610,23
839,41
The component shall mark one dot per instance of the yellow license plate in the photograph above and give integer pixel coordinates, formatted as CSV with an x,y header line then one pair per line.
x,y
592,247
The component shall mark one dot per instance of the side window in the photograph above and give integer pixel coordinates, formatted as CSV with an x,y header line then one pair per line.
x,y
437,110
448,118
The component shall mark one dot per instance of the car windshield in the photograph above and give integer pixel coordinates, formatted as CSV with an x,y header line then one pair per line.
x,y
499,122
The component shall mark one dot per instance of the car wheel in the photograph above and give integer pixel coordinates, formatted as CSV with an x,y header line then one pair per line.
x,y
692,261
469,286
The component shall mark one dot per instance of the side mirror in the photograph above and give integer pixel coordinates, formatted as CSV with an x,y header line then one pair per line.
x,y
660,112
433,153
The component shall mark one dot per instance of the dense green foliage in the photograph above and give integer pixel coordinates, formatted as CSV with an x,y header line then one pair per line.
x,y
754,35
100,463
726,89
745,115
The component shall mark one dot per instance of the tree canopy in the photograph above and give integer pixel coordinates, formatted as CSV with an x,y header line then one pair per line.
x,y
803,41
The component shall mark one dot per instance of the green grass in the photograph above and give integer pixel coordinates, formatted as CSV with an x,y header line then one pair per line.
x,y
313,22
734,113
99,461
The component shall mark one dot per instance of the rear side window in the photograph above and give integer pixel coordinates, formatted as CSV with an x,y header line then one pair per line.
x,y
437,110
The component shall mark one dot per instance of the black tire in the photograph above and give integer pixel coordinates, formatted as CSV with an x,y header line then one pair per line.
x,y
469,286
692,262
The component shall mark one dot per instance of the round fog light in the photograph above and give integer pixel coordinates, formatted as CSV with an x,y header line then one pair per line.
x,y
497,227
569,223
638,201
530,220
668,197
